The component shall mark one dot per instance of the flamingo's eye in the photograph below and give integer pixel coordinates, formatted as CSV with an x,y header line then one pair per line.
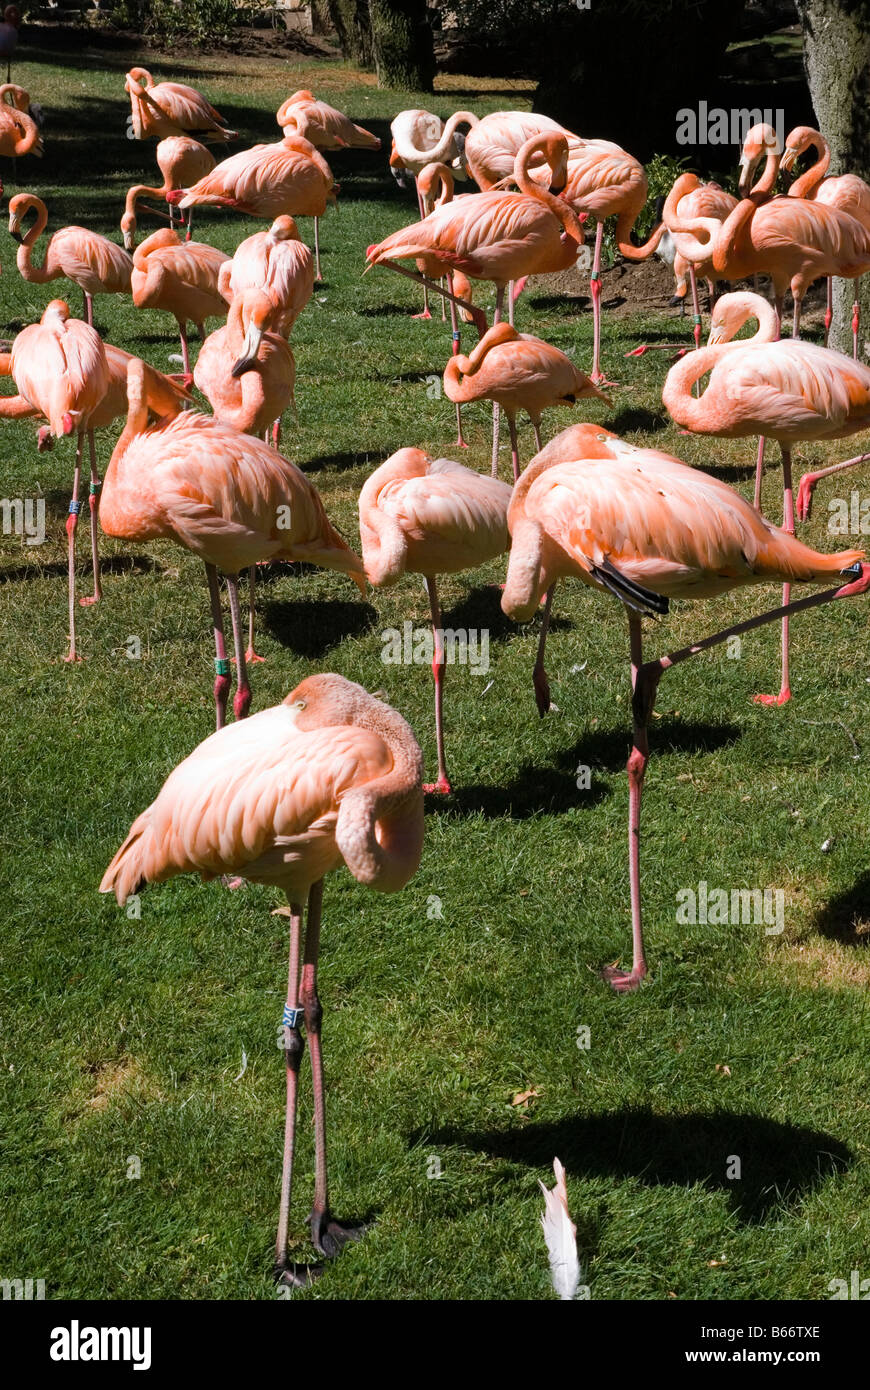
x,y
300,704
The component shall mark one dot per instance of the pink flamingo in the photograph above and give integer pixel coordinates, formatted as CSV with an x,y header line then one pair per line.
x,y
845,191
288,177
91,261
498,236
276,262
784,389
644,527
247,374
517,372
180,277
793,241
181,161
227,497
419,515
171,108
330,776
326,127
431,178
19,132
60,368
163,397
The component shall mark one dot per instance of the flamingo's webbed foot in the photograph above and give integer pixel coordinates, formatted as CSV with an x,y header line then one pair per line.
x,y
329,1237
623,981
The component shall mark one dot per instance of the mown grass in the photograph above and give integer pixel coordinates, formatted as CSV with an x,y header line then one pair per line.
x,y
123,1038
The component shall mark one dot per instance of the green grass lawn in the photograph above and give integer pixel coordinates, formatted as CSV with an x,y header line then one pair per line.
x,y
123,1038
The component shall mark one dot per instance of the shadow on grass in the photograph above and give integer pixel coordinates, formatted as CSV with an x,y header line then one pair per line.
x,y
310,628
780,1163
481,609
551,788
846,917
111,564
646,420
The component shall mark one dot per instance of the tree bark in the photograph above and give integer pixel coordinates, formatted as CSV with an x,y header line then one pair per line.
x,y
837,61
402,42
353,26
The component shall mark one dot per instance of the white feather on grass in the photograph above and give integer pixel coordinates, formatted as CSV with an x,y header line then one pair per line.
x,y
560,1233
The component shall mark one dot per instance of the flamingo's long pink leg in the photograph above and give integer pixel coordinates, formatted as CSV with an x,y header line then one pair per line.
x,y
94,505
595,288
496,413
454,332
438,664
242,697
788,525
72,522
327,1235
222,679
536,426
251,656
318,276
643,698
808,482
856,317
796,319
829,308
294,1046
539,675
645,680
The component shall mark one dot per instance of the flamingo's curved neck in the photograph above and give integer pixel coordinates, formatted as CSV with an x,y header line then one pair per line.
x,y
37,274
809,180
677,395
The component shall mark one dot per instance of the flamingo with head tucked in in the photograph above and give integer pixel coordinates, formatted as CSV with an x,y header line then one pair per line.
x,y
330,776
640,525
180,277
171,108
419,515
276,262
59,366
325,126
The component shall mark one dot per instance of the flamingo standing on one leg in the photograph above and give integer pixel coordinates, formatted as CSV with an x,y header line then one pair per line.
x,y
181,160
171,108
325,126
419,515
277,263
91,261
646,528
847,192
780,388
225,496
60,368
330,776
518,372
180,277
287,177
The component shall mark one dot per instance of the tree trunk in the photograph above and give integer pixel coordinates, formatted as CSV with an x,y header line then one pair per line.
x,y
321,19
353,26
837,60
402,41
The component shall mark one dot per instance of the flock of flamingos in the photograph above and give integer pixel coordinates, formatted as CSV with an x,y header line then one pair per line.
x,y
333,775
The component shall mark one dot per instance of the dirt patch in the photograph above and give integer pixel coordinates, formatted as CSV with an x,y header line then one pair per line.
x,y
825,963
647,287
111,1079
